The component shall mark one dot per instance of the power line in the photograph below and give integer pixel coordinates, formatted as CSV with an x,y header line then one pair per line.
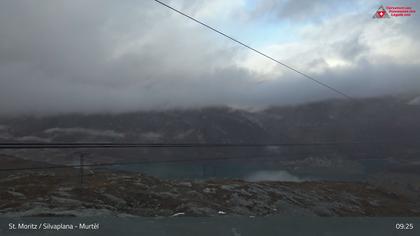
x,y
21,145
257,51
173,145
137,162
222,158
142,162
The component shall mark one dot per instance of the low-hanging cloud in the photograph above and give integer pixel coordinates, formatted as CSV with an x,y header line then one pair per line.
x,y
100,56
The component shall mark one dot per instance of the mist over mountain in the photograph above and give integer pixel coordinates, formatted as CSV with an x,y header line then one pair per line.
x,y
372,119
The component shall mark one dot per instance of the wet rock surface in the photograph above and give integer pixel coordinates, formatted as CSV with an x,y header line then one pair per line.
x,y
127,194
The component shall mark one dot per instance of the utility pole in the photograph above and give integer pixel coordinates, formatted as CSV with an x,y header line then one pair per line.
x,y
82,157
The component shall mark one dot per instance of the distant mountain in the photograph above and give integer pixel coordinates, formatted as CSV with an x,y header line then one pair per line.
x,y
371,119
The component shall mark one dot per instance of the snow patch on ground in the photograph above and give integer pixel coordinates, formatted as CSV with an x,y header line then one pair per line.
x,y
153,136
415,101
32,139
279,175
93,132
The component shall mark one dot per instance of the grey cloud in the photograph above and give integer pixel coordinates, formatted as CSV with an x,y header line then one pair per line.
x,y
350,48
295,10
96,56
306,9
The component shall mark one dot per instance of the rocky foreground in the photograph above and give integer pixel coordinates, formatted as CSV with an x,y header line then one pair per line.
x,y
125,194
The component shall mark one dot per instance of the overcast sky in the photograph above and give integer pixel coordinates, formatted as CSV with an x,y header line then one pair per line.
x,y
108,55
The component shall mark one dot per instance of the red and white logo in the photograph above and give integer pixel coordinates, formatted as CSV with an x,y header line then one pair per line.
x,y
381,13
393,11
